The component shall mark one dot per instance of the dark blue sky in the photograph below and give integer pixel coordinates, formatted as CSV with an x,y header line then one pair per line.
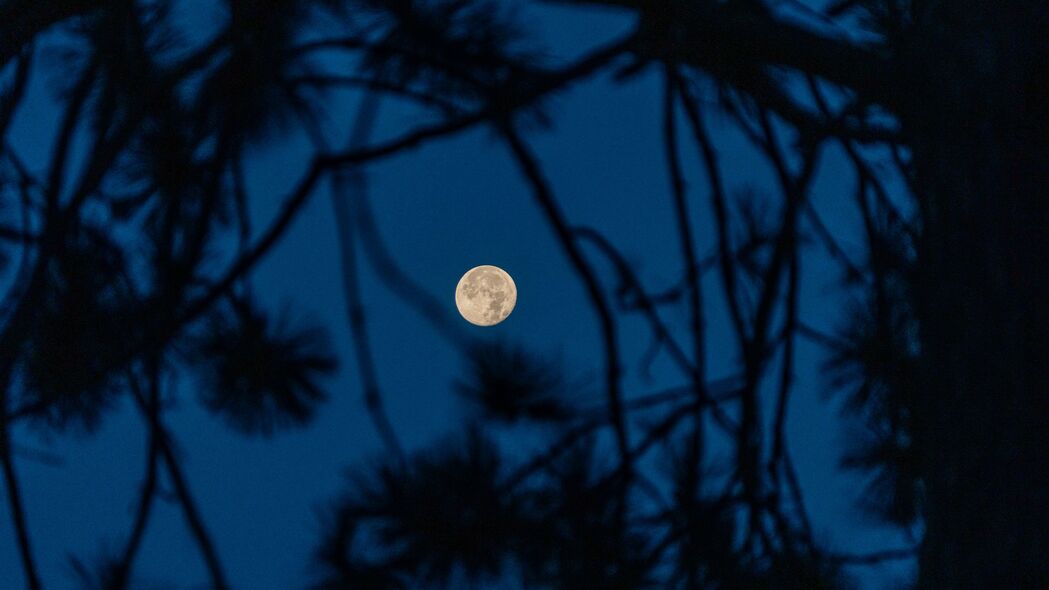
x,y
442,209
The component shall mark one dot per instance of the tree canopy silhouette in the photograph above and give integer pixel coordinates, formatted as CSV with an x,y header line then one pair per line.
x,y
131,260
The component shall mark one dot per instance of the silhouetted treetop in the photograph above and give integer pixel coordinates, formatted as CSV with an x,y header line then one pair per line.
x,y
129,242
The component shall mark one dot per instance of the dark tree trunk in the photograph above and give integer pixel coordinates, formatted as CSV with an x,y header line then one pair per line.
x,y
980,131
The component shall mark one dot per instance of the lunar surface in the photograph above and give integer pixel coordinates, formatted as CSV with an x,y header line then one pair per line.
x,y
485,295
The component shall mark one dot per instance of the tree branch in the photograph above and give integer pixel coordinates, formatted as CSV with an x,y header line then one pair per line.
x,y
692,276
723,37
541,190
12,96
122,570
348,185
182,491
662,333
14,492
719,206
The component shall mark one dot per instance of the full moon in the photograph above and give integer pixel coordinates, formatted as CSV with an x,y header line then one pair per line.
x,y
485,295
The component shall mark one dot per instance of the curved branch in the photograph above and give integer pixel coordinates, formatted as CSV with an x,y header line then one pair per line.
x,y
692,276
349,185
194,520
551,82
12,96
662,333
533,174
122,570
14,499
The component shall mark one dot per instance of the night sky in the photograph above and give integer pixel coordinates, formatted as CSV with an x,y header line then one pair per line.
x,y
441,209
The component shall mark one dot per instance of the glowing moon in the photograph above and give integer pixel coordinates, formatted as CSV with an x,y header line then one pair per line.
x,y
485,295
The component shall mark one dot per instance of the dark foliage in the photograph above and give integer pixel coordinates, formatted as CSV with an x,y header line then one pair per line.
x,y
509,384
260,373
128,277
78,334
580,539
342,558
454,49
444,516
247,96
876,369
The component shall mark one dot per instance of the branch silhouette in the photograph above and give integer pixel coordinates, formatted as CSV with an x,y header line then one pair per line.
x,y
136,249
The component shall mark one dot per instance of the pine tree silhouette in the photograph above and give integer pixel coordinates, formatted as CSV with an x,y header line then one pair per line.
x,y
131,255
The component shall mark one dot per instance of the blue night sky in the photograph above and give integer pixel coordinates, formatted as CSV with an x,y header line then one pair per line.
x,y
453,204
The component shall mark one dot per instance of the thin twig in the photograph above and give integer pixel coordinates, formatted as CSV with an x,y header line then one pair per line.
x,y
12,97
18,513
756,351
720,208
17,508
63,142
644,302
122,570
787,375
11,483
780,457
692,276
727,391
541,190
863,169
831,244
185,497
794,485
